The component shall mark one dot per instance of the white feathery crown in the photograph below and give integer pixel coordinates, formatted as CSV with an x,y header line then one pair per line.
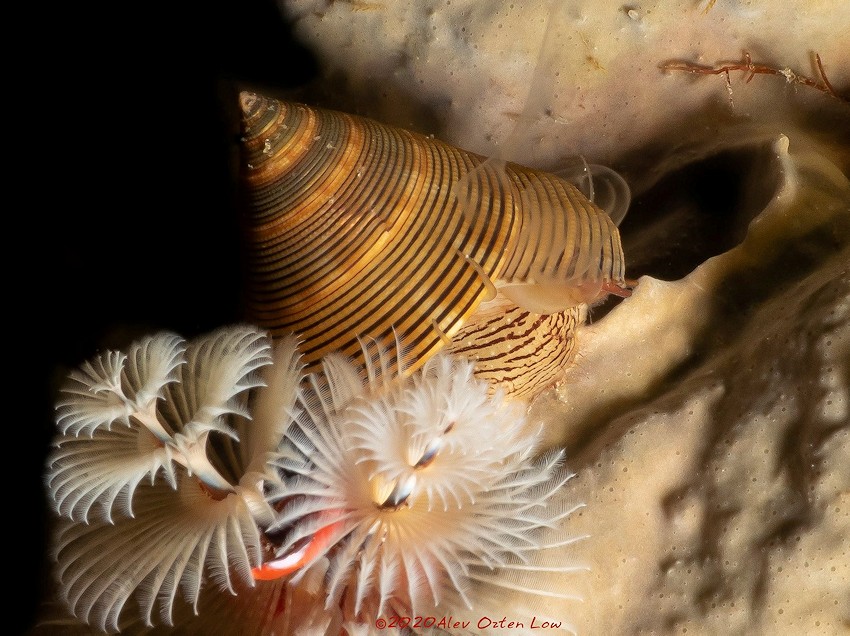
x,y
123,420
429,487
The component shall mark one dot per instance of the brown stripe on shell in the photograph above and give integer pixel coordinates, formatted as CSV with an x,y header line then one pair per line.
x,y
579,244
356,232
516,350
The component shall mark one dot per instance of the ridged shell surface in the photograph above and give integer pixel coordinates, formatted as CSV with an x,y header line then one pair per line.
x,y
355,228
517,350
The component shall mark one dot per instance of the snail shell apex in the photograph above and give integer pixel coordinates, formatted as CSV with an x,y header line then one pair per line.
x,y
356,228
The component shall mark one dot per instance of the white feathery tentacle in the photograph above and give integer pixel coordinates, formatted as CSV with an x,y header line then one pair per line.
x,y
174,536
96,472
87,476
274,406
94,396
103,469
152,364
218,367
168,396
115,386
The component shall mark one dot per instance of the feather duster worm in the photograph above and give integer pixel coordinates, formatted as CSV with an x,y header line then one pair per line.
x,y
150,503
428,487
278,502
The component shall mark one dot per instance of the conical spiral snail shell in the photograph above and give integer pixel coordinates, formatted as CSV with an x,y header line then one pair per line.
x,y
355,228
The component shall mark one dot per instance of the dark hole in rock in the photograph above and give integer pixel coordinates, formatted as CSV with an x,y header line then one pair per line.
x,y
699,211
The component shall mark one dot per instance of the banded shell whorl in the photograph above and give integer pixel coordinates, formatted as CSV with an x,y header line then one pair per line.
x,y
519,351
355,228
566,247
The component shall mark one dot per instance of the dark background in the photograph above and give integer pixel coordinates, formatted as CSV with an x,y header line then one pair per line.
x,y
124,139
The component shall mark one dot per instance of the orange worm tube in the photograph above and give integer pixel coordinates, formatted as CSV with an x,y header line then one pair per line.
x,y
272,570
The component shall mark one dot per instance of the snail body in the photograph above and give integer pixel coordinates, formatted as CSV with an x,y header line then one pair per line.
x,y
355,228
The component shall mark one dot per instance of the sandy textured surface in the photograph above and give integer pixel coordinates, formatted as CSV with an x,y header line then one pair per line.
x,y
719,494
536,82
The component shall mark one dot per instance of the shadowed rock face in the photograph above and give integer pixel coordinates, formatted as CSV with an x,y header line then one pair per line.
x,y
715,409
